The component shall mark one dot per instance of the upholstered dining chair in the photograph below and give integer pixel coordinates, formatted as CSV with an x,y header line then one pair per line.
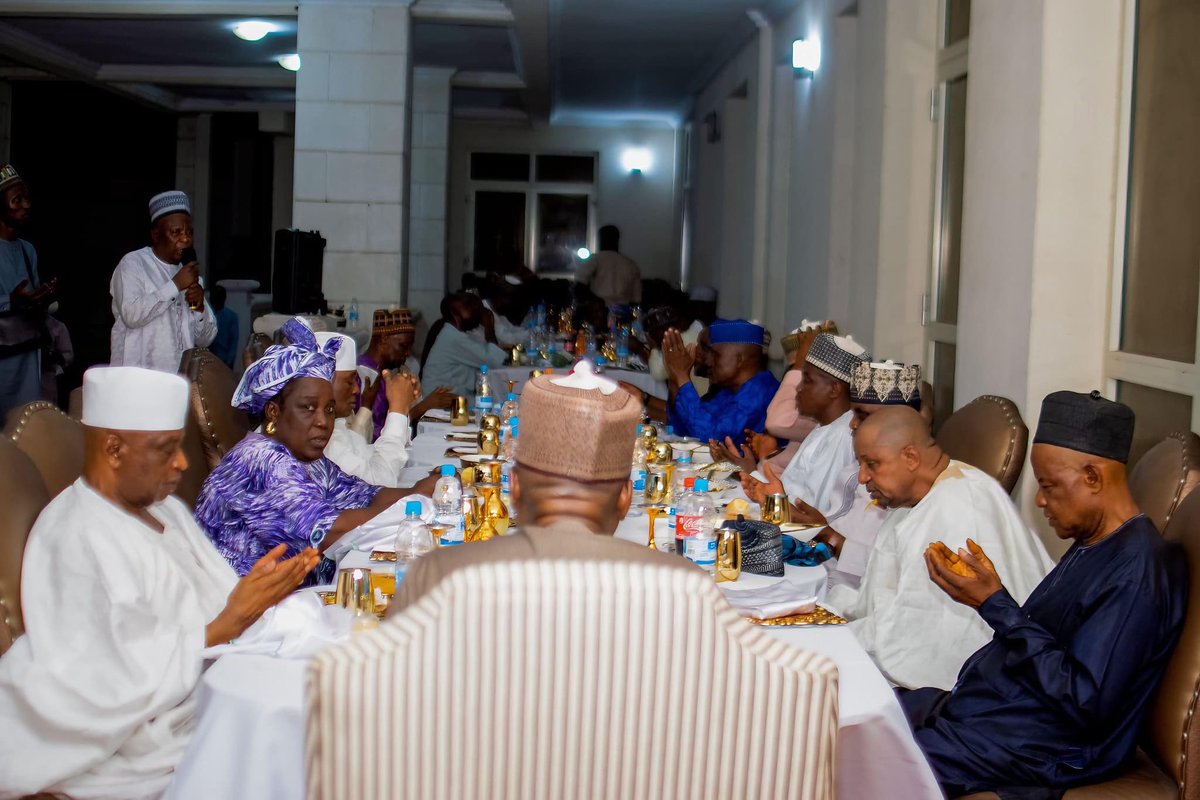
x,y
52,440
989,434
1165,475
22,496
1167,767
221,426
570,679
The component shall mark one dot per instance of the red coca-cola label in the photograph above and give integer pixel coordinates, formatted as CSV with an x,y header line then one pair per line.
x,y
689,525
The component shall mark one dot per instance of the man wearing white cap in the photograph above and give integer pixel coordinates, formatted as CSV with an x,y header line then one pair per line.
x,y
121,591
158,303
378,463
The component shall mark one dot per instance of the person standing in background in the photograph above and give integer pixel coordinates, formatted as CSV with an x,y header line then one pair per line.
x,y
613,277
225,345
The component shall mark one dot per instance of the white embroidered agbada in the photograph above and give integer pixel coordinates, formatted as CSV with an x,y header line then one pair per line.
x,y
378,463
97,698
153,324
858,519
815,474
915,633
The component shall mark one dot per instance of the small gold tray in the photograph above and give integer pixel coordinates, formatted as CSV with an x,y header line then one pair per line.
x,y
821,616
383,555
328,598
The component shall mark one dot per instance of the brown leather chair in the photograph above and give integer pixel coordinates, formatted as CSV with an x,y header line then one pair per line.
x,y
75,403
1168,765
22,496
51,439
197,469
989,434
1165,475
221,426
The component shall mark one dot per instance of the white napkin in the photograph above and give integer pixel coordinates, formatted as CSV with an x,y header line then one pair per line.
x,y
437,415
299,627
780,599
380,530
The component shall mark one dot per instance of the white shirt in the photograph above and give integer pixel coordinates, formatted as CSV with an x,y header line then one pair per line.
x,y
455,359
507,334
913,630
97,698
858,520
613,277
379,463
816,473
153,324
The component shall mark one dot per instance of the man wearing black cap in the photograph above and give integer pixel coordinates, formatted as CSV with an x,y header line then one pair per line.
x,y
1058,697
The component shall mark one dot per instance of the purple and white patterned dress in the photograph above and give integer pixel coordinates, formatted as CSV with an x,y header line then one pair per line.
x,y
261,495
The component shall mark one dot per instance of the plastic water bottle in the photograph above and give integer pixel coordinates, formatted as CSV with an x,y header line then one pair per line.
x,y
413,540
352,317
506,489
683,471
693,527
483,394
447,507
509,410
510,439
623,347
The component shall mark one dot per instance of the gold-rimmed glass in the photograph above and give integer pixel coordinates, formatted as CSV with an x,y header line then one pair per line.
x,y
658,486
775,509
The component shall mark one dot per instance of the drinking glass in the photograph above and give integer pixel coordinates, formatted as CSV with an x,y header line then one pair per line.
x,y
775,509
653,512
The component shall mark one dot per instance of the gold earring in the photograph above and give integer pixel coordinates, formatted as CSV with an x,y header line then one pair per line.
x,y
271,428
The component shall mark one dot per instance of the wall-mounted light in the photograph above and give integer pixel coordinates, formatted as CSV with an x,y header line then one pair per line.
x,y
583,253
291,62
253,29
636,159
806,56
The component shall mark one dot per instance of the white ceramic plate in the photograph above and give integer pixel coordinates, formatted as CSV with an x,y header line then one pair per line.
x,y
474,458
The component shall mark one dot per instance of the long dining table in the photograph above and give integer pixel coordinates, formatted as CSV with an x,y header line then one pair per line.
x,y
250,731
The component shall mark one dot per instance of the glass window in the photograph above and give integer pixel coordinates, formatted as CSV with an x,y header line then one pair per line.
x,y
562,223
1157,412
500,167
499,231
958,21
954,148
942,379
1162,246
566,169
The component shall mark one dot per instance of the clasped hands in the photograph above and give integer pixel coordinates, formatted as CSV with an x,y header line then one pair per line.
x,y
270,580
968,576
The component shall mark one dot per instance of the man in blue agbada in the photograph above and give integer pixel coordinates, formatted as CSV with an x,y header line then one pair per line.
x,y
1058,696
741,386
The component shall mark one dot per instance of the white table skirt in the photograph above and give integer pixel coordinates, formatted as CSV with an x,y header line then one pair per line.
x,y
643,380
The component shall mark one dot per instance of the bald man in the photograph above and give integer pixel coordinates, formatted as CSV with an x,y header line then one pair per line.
x,y
455,357
917,635
121,592
1059,696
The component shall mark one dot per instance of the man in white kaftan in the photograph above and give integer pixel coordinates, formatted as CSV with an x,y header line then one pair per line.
x,y
917,635
154,293
349,447
121,592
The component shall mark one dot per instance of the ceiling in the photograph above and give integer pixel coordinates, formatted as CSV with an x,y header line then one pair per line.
x,y
558,60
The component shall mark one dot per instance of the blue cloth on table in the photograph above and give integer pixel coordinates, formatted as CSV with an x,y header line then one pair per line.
x,y
725,412
1059,695
804,554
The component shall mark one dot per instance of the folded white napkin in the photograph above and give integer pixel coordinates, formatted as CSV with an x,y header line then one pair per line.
x,y
381,530
437,415
299,627
780,599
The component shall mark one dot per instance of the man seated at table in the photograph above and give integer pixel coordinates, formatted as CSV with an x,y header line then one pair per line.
x,y
349,446
392,336
917,635
569,499
743,388
121,590
455,357
1057,698
816,473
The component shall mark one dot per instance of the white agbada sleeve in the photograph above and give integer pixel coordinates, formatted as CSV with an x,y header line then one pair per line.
x,y
817,472
136,301
204,325
915,633
379,463
97,698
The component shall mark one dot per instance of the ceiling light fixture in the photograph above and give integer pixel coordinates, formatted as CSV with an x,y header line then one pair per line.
x,y
253,29
291,62
636,159
583,253
806,56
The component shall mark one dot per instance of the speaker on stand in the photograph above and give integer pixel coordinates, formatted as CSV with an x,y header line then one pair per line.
x,y
296,275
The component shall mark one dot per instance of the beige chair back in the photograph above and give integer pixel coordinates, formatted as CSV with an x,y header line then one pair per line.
x,y
221,426
22,496
989,434
52,440
1165,475
527,679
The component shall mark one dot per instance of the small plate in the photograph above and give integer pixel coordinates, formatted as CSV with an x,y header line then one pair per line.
x,y
718,486
475,458
463,450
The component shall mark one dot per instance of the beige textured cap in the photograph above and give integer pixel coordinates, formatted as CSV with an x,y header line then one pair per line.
x,y
582,434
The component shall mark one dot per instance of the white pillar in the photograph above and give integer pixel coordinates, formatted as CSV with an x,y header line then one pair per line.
x,y
427,193
351,139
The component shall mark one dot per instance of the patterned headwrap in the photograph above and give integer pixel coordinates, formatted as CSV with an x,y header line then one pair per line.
x,y
8,176
303,358
886,384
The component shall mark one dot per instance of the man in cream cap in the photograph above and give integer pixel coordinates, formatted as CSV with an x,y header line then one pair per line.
x,y
157,301
121,591
570,483
349,445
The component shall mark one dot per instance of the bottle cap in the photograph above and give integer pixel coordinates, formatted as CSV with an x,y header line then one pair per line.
x,y
670,430
448,470
512,396
412,507
701,485
483,368
690,483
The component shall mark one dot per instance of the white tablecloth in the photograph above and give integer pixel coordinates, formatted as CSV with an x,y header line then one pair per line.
x,y
643,380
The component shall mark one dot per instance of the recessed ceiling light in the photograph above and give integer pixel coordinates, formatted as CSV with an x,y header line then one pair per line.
x,y
290,62
583,253
253,29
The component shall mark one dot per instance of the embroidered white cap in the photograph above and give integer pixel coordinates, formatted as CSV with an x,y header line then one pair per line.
x,y
347,354
134,399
